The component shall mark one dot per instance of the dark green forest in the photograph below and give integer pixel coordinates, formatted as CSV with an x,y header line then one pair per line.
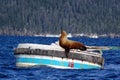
x,y
29,17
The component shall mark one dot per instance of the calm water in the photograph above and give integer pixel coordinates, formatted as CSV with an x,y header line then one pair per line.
x,y
8,70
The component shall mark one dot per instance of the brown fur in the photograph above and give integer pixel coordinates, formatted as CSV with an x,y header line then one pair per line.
x,y
69,44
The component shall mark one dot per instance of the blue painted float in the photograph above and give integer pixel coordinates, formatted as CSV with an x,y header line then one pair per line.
x,y
28,55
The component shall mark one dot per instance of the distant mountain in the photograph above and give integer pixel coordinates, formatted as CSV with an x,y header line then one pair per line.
x,y
29,17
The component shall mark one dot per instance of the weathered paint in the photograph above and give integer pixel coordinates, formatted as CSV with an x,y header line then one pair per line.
x,y
55,62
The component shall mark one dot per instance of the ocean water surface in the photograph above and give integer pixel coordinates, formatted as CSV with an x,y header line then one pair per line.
x,y
9,71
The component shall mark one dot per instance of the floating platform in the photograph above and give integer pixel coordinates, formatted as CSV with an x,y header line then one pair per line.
x,y
28,55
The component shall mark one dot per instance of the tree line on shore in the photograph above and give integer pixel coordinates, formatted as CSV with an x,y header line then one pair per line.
x,y
29,17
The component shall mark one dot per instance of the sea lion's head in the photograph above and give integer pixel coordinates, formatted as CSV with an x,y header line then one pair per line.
x,y
63,33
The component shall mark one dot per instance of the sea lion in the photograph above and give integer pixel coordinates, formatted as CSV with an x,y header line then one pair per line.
x,y
69,44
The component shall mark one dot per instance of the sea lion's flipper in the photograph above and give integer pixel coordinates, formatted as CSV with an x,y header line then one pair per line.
x,y
83,48
67,52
